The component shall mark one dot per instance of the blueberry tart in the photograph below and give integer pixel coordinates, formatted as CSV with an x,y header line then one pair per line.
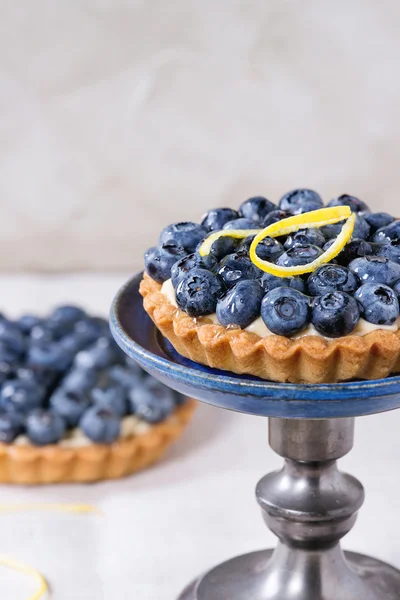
x,y
73,408
292,292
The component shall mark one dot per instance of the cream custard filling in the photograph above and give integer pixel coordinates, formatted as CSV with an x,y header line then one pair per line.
x,y
259,327
75,438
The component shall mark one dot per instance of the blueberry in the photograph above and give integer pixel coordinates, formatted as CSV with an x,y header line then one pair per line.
x,y
270,282
185,265
274,217
375,269
361,229
294,199
299,255
9,360
237,267
11,336
112,397
187,235
335,314
378,220
101,355
63,318
285,311
21,395
331,278
305,207
379,303
152,403
11,426
41,333
215,219
69,405
80,380
396,288
304,237
388,233
256,208
44,427
125,377
354,249
390,249
158,260
88,330
241,224
268,249
241,304
223,246
198,292
27,322
44,376
51,355
354,203
100,425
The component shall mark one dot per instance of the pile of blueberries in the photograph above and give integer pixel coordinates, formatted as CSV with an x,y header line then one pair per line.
x,y
66,371
363,280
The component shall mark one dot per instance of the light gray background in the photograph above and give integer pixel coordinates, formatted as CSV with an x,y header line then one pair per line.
x,y
119,116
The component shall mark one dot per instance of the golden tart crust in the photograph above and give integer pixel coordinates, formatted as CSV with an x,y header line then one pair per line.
x,y
56,464
309,359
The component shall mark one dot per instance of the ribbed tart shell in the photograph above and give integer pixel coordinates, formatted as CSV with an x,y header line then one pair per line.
x,y
310,359
57,464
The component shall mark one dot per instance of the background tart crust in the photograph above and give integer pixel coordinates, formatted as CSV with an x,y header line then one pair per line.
x,y
310,359
55,464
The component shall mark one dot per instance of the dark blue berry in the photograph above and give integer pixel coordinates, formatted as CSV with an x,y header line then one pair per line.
x,y
376,269
158,260
42,375
127,378
331,278
396,288
294,199
304,237
88,330
52,355
354,249
100,425
378,220
64,318
101,355
198,292
268,249
70,405
285,311
335,314
270,282
355,204
80,380
111,397
215,219
241,304
21,395
187,235
379,303
41,333
237,267
11,336
44,427
241,224
27,322
152,403
274,217
361,229
11,426
223,246
306,207
388,233
185,265
257,208
389,249
299,255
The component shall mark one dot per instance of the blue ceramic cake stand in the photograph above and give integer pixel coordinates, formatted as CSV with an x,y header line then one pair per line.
x,y
309,504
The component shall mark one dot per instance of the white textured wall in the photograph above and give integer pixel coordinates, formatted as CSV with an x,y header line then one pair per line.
x,y
119,116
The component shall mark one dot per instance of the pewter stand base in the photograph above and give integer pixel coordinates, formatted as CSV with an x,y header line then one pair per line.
x,y
309,505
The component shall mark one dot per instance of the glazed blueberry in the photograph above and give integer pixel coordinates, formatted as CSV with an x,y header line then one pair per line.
x,y
241,304
158,260
299,255
69,405
80,381
152,403
354,203
361,229
215,219
241,224
335,314
185,265
21,395
294,199
256,209
378,220
268,249
100,425
390,249
101,355
274,217
27,322
237,267
376,269
285,311
354,249
11,336
11,426
379,303
111,397
270,282
127,378
331,278
51,355
223,246
187,235
198,292
44,427
304,237
388,233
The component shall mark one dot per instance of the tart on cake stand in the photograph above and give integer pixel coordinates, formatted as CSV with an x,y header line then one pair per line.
x,y
309,504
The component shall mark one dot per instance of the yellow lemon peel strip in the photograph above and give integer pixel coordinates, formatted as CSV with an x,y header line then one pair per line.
x,y
69,508
314,219
238,234
42,589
